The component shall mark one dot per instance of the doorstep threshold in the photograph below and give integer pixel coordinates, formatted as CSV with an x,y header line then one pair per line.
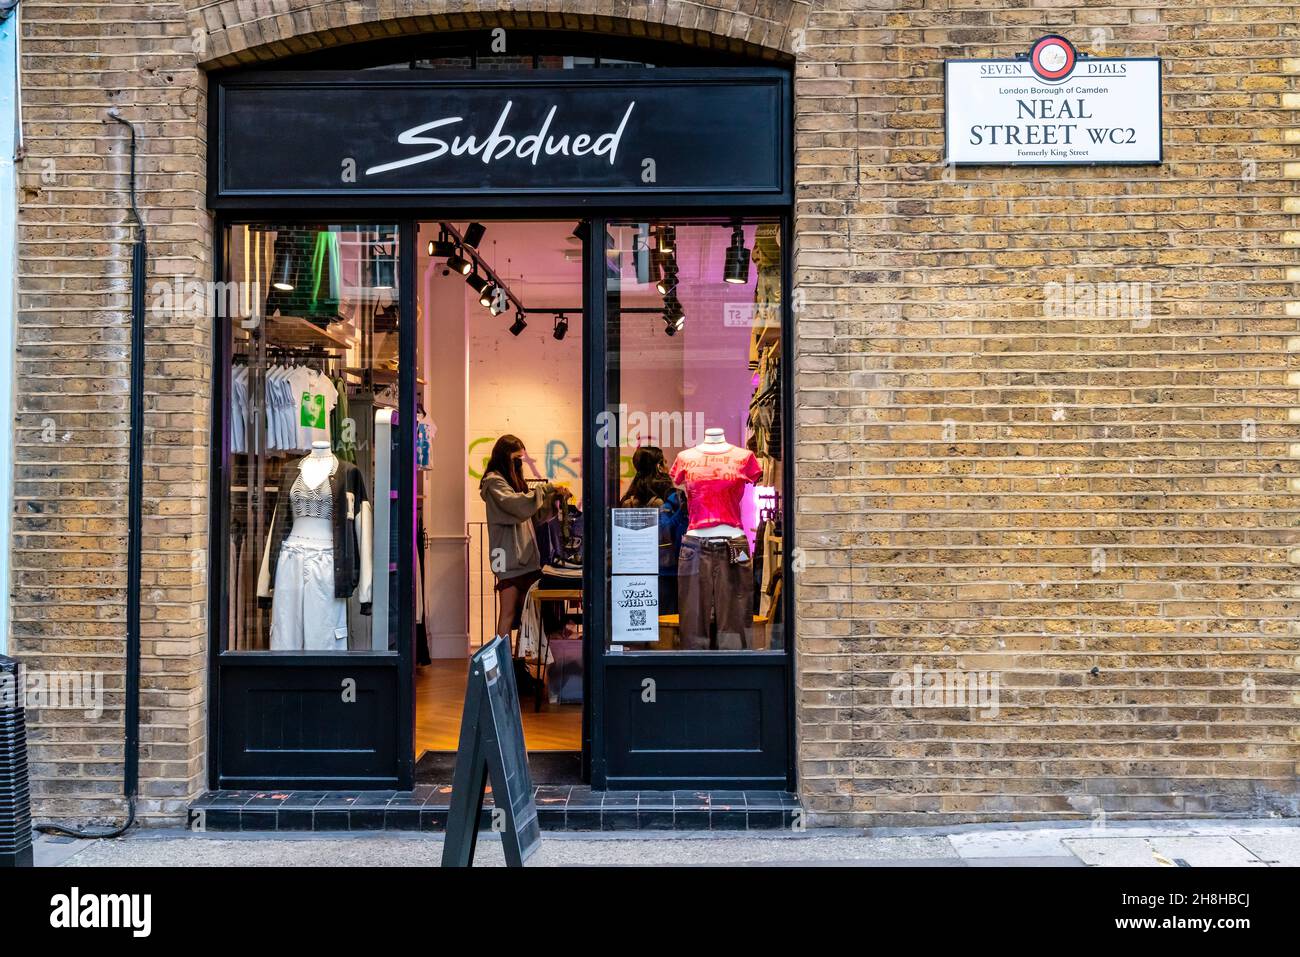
x,y
559,808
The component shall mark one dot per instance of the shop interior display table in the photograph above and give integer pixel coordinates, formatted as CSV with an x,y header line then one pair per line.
x,y
539,595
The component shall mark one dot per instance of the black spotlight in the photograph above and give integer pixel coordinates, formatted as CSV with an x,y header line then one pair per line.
x,y
474,235
457,262
668,281
667,240
476,282
561,326
442,247
518,325
674,316
487,295
736,269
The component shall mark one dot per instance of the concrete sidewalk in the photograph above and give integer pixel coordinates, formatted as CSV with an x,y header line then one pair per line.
x,y
1261,843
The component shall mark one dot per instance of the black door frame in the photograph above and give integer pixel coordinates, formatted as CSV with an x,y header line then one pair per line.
x,y
595,482
395,671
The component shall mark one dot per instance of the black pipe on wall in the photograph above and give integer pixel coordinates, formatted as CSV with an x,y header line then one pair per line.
x,y
135,516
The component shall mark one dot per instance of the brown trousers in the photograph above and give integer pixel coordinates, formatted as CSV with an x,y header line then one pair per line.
x,y
711,588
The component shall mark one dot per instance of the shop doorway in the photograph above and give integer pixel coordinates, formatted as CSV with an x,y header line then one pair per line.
x,y
499,308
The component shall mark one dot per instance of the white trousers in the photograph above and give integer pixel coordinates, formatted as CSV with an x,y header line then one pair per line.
x,y
305,615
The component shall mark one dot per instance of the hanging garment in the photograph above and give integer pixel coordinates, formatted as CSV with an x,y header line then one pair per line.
x,y
772,558
344,433
530,627
325,271
314,399
239,411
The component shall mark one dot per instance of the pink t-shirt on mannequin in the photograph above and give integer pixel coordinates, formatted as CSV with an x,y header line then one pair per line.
x,y
715,483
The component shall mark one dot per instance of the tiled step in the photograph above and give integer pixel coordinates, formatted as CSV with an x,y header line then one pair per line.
x,y
559,808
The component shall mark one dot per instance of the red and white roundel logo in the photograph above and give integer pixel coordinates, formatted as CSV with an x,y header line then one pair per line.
x,y
1053,57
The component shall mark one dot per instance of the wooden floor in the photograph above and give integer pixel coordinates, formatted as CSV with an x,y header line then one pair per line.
x,y
440,695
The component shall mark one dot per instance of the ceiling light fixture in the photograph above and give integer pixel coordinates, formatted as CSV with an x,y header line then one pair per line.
x,y
487,296
668,281
674,316
442,247
561,327
519,325
667,236
736,268
474,235
476,282
457,262
284,271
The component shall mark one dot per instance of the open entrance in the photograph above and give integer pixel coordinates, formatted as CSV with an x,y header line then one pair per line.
x,y
499,452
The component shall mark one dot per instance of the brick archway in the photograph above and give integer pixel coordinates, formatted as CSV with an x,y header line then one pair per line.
x,y
231,32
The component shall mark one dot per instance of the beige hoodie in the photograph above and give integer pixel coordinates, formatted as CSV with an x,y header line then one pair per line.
x,y
512,545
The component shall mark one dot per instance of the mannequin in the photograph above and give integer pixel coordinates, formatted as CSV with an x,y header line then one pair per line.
x,y
320,544
715,576
715,443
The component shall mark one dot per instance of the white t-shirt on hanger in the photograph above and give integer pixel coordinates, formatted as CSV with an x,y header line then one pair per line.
x,y
314,398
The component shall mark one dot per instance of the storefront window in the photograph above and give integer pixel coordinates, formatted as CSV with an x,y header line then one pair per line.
x,y
694,436
313,399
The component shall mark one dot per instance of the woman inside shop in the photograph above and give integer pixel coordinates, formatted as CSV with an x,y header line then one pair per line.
x,y
512,543
651,487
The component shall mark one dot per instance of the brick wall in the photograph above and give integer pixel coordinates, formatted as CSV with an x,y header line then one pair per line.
x,y
980,487
71,429
987,489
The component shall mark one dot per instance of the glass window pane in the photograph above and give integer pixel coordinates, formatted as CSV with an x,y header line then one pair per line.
x,y
693,435
313,322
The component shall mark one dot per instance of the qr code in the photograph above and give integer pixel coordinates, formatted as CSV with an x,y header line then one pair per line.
x,y
638,617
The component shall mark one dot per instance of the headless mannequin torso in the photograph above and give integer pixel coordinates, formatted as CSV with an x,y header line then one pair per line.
x,y
715,442
315,469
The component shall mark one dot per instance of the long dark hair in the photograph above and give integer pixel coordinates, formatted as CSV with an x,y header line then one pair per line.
x,y
651,481
500,461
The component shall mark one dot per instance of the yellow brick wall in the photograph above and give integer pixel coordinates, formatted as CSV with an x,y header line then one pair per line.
x,y
961,456
986,488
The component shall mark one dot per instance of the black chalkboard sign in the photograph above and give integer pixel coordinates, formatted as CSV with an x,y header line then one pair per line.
x,y
491,748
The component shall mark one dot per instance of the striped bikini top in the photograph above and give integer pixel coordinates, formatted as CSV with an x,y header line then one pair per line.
x,y
310,502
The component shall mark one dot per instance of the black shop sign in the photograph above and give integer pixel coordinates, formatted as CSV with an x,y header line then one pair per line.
x,y
578,134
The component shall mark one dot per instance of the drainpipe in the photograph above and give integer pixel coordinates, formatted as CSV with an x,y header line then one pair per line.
x,y
10,148
135,517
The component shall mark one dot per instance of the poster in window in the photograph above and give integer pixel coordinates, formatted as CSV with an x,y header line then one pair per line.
x,y
636,541
634,608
